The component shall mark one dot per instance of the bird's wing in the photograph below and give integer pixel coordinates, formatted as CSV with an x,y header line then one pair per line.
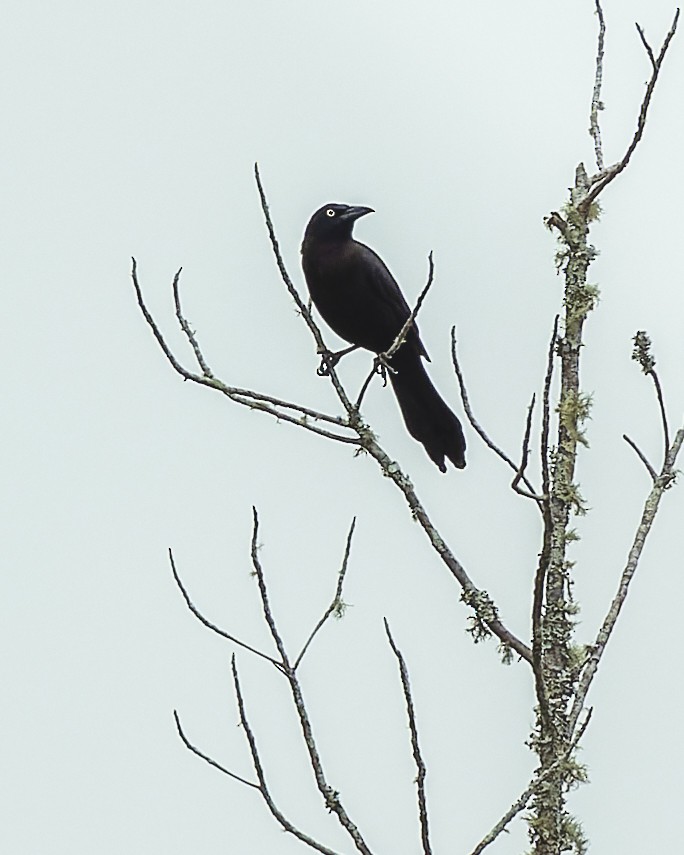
x,y
386,292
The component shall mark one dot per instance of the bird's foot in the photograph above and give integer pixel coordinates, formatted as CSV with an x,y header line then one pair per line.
x,y
329,360
381,366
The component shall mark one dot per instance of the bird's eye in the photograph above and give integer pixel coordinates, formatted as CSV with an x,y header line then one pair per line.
x,y
330,213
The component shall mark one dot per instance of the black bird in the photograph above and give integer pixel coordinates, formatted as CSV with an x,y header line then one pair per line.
x,y
360,300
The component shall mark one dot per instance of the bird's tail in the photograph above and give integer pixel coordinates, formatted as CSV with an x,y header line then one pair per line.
x,y
427,416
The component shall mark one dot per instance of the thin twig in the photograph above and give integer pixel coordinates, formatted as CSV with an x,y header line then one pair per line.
x,y
403,332
257,404
663,414
662,482
521,803
258,768
152,324
643,355
198,614
330,796
261,581
524,457
604,177
277,402
473,421
641,456
185,326
336,603
207,758
366,383
417,756
596,103
649,50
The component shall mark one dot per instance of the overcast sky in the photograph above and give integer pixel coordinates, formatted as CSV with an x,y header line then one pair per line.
x,y
131,128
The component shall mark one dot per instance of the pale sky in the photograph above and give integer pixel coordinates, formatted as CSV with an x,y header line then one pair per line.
x,y
131,128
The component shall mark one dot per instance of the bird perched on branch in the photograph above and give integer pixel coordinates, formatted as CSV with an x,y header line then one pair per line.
x,y
360,300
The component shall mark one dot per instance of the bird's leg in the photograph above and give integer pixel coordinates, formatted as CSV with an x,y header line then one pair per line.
x,y
329,359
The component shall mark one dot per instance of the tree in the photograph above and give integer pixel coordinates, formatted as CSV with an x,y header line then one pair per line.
x,y
563,671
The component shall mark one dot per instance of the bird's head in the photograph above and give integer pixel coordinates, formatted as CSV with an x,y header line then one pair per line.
x,y
334,221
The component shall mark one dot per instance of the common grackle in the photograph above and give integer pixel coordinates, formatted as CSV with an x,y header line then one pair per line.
x,y
360,300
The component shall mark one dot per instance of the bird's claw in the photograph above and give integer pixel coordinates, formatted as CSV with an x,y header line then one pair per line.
x,y
382,366
328,361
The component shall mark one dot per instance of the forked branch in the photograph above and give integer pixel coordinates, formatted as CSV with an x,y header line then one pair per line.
x,y
307,417
337,606
212,626
604,176
330,796
258,768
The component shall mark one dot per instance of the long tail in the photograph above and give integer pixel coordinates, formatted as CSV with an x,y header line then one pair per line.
x,y
427,417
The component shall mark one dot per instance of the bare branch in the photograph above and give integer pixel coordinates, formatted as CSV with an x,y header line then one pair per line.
x,y
663,414
486,619
646,45
257,403
366,383
336,606
662,482
303,308
642,354
261,581
473,421
198,614
330,796
207,758
641,456
185,326
417,756
604,177
237,392
403,332
596,103
524,457
263,788
245,397
153,325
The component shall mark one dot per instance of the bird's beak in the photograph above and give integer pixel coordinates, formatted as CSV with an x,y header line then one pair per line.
x,y
355,211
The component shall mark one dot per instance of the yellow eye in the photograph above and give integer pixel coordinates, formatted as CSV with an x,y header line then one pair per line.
x,y
330,213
